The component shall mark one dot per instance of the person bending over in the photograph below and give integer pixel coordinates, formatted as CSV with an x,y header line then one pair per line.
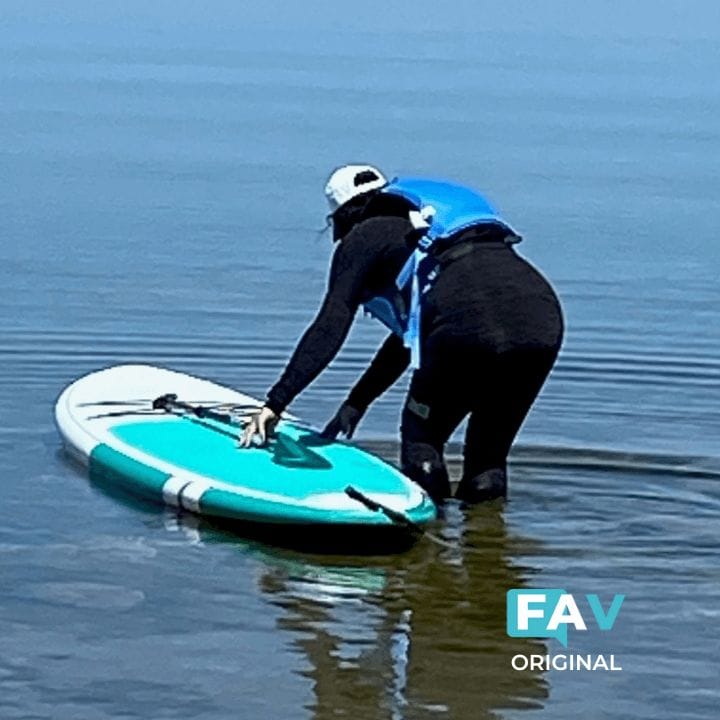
x,y
480,326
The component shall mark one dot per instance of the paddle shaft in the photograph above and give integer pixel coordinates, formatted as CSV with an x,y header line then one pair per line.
x,y
169,402
397,517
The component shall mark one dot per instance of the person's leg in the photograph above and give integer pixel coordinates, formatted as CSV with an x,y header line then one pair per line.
x,y
434,407
500,404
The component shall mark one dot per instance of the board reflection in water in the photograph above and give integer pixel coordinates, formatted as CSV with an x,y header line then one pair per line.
x,y
423,633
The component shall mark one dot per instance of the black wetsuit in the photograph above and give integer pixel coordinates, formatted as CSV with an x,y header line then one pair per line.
x,y
492,328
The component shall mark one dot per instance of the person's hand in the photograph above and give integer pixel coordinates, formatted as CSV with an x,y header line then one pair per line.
x,y
345,421
261,425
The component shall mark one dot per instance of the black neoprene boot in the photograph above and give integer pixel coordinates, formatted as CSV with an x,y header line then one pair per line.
x,y
487,485
436,485
423,464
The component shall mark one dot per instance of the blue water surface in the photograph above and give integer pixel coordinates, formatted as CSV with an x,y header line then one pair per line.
x,y
161,174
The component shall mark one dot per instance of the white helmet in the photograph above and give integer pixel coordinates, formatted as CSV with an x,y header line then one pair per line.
x,y
349,181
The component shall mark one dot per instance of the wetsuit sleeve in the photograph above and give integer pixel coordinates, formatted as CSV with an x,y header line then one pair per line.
x,y
389,363
325,336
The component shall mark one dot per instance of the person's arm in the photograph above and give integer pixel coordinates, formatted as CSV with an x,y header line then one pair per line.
x,y
389,363
387,366
325,336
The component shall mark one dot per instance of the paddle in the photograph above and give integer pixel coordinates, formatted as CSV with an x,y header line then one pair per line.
x,y
170,402
397,517
140,401
285,450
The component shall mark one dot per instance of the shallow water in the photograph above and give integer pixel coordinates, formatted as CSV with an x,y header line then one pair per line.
x,y
160,203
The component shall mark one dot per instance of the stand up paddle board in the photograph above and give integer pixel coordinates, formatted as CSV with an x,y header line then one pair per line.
x,y
173,438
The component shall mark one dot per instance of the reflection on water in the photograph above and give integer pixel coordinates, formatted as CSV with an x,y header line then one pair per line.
x,y
160,199
414,635
424,634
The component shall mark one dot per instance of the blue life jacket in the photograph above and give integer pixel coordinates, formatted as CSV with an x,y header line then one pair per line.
x,y
440,211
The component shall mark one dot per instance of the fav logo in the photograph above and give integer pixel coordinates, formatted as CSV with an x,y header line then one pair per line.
x,y
546,613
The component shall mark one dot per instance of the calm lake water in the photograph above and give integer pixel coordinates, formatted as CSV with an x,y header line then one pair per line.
x,y
161,172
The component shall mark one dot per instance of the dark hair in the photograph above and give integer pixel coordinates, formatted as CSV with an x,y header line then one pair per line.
x,y
362,207
366,176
